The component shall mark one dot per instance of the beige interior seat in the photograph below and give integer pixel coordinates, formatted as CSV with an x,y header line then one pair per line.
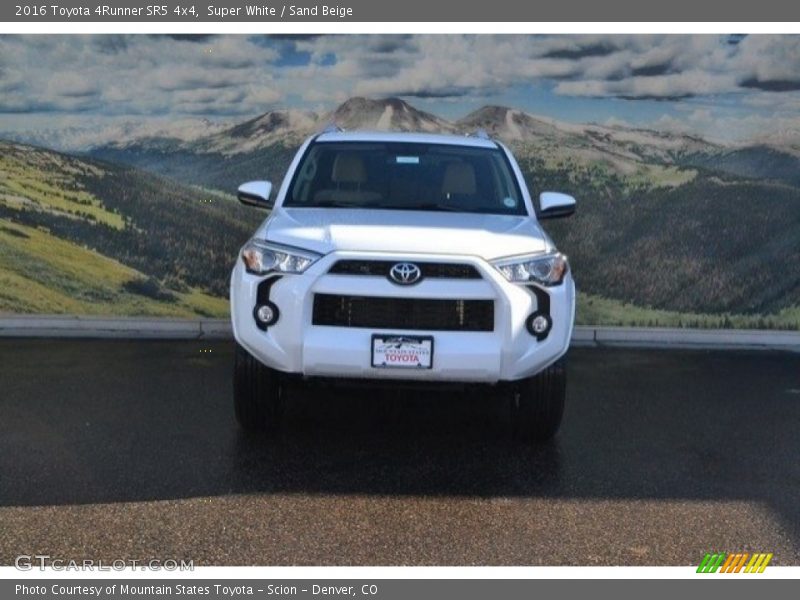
x,y
349,174
459,182
349,168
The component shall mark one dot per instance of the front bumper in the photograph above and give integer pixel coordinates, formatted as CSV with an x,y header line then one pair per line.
x,y
294,345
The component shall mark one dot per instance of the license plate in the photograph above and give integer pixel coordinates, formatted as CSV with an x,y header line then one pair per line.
x,y
402,351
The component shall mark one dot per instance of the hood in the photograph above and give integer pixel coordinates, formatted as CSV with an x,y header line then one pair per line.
x,y
325,230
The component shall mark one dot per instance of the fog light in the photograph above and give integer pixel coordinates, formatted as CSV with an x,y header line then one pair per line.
x,y
539,325
266,314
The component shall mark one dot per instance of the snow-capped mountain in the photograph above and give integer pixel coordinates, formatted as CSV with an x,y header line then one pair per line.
x,y
511,125
262,143
390,114
292,126
284,126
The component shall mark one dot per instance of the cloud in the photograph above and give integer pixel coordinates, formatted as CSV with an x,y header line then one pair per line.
x,y
788,102
578,51
11,80
222,76
732,127
769,63
135,75
72,85
177,78
320,68
651,70
111,44
657,87
199,38
599,65
772,85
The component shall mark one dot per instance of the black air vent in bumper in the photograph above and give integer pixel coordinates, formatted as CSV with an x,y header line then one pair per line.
x,y
403,313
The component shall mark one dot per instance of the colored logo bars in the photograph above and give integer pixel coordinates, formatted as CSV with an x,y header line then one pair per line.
x,y
734,563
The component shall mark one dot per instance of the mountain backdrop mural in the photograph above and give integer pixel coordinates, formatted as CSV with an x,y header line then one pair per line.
x,y
672,228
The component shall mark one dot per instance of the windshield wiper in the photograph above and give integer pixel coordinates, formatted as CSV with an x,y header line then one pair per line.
x,y
425,206
476,210
337,204
438,206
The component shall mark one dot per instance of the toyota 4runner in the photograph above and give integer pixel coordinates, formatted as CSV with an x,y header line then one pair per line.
x,y
402,256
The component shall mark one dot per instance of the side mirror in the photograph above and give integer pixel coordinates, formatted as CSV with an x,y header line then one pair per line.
x,y
553,205
256,193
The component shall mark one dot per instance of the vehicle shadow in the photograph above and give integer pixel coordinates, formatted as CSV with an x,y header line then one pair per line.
x,y
402,442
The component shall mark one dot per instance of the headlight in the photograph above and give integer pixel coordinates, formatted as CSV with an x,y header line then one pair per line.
x,y
261,257
545,269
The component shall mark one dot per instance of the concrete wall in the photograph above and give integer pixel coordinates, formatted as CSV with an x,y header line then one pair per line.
x,y
27,326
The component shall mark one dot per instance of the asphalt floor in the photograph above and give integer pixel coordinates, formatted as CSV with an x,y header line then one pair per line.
x,y
129,450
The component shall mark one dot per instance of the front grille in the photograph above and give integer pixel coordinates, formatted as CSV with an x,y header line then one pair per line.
x,y
381,268
403,313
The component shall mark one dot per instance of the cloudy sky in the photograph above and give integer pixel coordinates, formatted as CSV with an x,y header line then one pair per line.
x,y
81,88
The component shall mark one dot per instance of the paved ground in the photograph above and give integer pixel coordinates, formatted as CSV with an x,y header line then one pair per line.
x,y
129,450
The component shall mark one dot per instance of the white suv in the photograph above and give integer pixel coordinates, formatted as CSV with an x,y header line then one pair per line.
x,y
403,257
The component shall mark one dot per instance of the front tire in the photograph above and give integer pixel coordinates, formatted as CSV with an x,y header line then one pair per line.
x,y
257,393
538,403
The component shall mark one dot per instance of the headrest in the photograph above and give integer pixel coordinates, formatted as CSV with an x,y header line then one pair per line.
x,y
459,178
348,168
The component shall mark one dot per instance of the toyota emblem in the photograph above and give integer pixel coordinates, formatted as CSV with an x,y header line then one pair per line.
x,y
405,273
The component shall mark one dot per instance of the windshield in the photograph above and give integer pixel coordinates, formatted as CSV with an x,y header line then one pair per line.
x,y
401,176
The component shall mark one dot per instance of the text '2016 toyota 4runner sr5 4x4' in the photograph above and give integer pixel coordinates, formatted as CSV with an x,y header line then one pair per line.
x,y
401,256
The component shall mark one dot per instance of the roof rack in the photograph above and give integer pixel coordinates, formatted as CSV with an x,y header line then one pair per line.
x,y
331,128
